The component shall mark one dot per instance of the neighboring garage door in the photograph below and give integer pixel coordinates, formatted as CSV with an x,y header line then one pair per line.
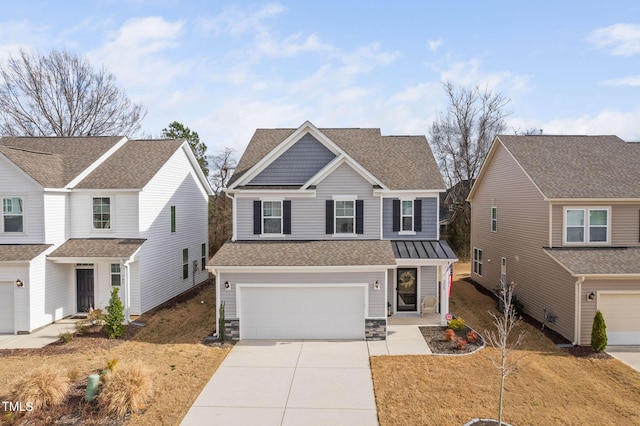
x,y
302,312
6,307
621,313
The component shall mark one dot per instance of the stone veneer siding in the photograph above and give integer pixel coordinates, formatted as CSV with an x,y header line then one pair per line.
x,y
375,329
232,329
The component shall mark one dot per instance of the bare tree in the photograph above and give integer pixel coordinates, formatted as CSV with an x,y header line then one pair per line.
x,y
508,361
62,95
461,139
220,220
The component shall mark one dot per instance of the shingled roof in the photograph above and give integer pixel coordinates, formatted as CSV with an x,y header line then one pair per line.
x,y
598,260
52,161
400,162
578,167
304,253
21,252
133,165
98,247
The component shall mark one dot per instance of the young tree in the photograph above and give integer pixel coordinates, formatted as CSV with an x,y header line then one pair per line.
x,y
177,130
61,94
220,222
460,139
115,316
507,361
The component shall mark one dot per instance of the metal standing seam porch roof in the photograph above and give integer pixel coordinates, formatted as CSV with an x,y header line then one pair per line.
x,y
423,249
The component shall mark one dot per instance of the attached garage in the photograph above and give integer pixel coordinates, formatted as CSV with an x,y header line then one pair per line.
x,y
6,307
302,312
621,311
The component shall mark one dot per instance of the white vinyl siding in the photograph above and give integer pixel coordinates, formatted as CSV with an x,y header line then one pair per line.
x,y
7,318
14,183
124,215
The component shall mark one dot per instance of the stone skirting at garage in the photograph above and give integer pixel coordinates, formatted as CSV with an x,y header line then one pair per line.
x,y
232,329
375,329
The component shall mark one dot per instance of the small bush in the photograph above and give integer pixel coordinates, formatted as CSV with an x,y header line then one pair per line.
x,y
456,324
598,333
44,386
65,337
472,336
460,343
449,334
115,316
73,374
128,391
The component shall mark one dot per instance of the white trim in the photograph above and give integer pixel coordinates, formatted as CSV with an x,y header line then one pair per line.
x,y
186,148
111,228
262,218
284,193
395,289
586,226
494,209
334,164
85,259
88,170
408,193
234,217
344,198
23,198
300,269
401,263
402,216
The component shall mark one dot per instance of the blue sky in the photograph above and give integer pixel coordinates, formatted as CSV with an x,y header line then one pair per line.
x,y
225,68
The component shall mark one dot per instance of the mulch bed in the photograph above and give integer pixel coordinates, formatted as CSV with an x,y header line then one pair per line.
x,y
435,338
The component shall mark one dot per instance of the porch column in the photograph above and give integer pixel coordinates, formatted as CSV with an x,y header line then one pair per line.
x,y
444,294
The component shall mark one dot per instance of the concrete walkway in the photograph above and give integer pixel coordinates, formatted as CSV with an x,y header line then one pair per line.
x,y
630,355
37,339
401,340
289,383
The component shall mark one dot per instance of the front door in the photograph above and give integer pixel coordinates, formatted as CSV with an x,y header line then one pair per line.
x,y
407,290
84,285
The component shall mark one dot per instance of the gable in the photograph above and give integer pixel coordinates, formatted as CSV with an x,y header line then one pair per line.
x,y
297,164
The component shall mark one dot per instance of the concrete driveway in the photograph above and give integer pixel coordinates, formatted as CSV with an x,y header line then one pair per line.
x,y
289,383
630,355
38,339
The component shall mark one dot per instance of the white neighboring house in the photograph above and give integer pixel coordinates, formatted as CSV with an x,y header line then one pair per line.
x,y
80,215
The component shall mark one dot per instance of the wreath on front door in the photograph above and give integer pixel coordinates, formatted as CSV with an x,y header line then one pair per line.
x,y
407,280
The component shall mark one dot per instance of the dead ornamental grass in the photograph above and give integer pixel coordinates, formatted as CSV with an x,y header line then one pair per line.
x,y
554,388
44,386
169,346
128,389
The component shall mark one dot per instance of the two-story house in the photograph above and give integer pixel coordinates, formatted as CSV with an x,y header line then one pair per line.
x,y
80,215
333,229
559,217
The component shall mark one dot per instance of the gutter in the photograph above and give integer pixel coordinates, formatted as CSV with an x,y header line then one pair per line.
x,y
127,284
578,313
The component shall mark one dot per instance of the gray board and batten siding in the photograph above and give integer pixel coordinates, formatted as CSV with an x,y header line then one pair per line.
x,y
296,165
308,214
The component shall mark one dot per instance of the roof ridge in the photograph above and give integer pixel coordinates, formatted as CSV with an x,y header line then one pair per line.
x,y
15,148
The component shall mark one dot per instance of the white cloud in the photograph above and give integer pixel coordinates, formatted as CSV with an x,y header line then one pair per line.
x,y
620,39
624,81
290,46
235,21
421,91
469,73
435,44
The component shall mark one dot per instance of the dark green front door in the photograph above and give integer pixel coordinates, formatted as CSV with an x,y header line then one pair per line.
x,y
84,284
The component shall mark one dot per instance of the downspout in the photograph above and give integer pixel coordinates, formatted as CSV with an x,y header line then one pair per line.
x,y
578,314
127,289
234,235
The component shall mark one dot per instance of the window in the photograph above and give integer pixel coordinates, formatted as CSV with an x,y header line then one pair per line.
x,y
477,261
406,215
586,225
494,219
101,213
185,263
203,253
12,217
345,217
503,272
173,219
272,217
115,274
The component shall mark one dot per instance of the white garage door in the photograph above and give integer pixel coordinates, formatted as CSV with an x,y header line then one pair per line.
x,y
621,313
6,307
302,312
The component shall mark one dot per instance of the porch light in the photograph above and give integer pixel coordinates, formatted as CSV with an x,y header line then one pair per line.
x,y
19,283
591,296
376,285
227,285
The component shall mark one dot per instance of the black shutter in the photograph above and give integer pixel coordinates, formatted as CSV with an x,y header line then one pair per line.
x,y
359,216
257,217
286,217
329,217
417,215
396,215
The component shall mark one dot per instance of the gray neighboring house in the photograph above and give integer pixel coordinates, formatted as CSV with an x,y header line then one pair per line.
x,y
560,217
333,229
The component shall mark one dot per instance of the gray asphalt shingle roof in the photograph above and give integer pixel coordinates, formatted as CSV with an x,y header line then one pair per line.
x,y
21,252
578,166
53,161
98,247
598,260
304,253
399,162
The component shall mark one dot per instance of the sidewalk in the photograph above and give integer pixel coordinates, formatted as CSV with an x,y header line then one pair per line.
x,y
37,339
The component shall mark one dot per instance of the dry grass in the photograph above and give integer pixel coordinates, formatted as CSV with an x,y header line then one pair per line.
x,y
44,386
554,388
169,346
128,390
